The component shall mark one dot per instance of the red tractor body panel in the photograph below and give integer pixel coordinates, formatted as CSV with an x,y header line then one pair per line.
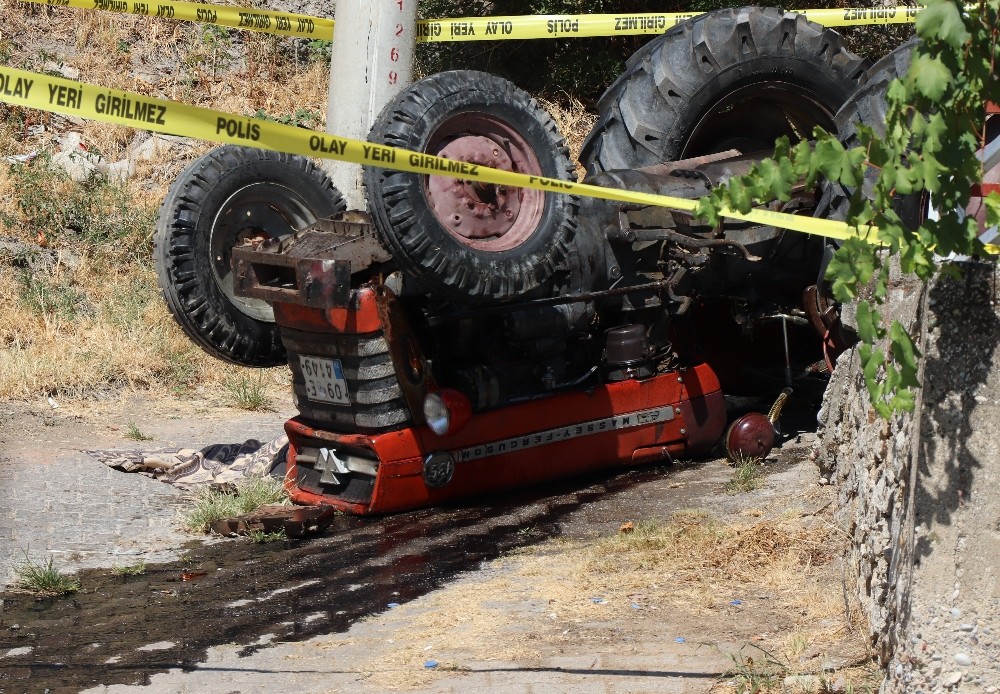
x,y
679,413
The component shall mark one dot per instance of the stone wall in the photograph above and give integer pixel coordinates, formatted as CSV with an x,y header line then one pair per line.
x,y
920,494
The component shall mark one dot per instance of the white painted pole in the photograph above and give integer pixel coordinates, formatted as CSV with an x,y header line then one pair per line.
x,y
371,62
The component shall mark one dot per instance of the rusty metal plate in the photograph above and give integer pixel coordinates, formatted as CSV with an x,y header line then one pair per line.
x,y
312,268
295,521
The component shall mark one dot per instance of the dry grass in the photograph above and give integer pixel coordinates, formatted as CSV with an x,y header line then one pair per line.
x,y
696,562
95,322
574,122
101,327
108,331
534,604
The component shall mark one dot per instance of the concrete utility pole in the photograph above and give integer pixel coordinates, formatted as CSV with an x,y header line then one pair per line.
x,y
371,62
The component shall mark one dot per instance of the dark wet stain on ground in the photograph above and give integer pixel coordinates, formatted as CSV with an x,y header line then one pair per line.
x,y
238,592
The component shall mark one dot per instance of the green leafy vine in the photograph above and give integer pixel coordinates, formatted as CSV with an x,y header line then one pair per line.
x,y
934,127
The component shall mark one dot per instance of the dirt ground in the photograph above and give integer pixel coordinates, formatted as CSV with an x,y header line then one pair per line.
x,y
544,591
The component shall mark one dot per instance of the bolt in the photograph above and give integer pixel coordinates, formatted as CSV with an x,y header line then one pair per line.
x,y
496,153
677,410
616,272
509,214
684,431
680,379
456,220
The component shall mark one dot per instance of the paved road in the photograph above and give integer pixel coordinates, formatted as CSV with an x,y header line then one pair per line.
x,y
58,502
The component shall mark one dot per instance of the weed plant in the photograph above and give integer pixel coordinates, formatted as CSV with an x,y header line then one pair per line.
x,y
757,672
135,434
101,216
137,569
43,579
248,392
263,537
247,496
747,475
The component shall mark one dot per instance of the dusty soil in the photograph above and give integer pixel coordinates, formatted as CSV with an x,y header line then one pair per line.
x,y
501,593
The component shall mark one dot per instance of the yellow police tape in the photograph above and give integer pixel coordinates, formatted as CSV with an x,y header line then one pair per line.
x,y
594,25
465,28
266,21
60,95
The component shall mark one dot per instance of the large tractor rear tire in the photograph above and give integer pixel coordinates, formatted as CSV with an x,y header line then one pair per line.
x,y
869,106
729,79
227,197
462,239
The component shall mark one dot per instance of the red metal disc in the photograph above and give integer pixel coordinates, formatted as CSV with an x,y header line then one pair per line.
x,y
483,215
750,436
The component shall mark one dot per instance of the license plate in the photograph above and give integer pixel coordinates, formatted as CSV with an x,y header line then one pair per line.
x,y
324,380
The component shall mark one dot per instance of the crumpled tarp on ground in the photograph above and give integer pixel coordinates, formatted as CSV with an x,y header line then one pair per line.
x,y
218,466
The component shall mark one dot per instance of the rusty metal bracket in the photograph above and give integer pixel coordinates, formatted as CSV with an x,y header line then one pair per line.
x,y
311,268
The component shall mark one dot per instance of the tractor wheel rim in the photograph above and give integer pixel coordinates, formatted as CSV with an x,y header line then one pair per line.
x,y
479,215
786,108
257,212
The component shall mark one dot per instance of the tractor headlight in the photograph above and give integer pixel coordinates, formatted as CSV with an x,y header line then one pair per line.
x,y
446,411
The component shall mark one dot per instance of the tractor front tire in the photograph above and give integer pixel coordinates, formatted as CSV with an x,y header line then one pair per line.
x,y
462,239
227,197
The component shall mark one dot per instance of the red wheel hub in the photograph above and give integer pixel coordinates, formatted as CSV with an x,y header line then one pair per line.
x,y
472,209
484,215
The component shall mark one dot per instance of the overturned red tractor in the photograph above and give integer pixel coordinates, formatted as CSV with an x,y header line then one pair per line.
x,y
463,338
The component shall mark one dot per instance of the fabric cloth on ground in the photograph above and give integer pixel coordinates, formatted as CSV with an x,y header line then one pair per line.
x,y
219,465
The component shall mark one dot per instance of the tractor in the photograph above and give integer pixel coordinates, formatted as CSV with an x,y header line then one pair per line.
x,y
458,338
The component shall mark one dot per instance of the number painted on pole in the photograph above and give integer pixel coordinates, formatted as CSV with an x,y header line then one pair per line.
x,y
394,54
393,77
399,30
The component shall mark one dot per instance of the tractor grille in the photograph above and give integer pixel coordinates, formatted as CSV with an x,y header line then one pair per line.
x,y
376,401
346,472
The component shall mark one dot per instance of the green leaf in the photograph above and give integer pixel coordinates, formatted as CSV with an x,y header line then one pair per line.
x,y
802,160
851,265
930,76
892,379
905,353
853,172
708,210
992,202
777,177
904,400
867,330
830,158
739,196
883,409
871,361
942,20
